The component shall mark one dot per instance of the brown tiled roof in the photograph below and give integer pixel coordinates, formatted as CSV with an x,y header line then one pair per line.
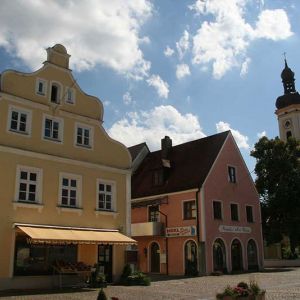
x,y
135,150
190,164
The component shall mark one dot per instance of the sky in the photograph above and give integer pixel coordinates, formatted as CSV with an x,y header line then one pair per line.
x,y
182,68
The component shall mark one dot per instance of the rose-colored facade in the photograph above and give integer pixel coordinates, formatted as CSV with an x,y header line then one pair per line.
x,y
216,242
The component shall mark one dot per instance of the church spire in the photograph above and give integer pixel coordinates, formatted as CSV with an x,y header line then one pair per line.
x,y
288,79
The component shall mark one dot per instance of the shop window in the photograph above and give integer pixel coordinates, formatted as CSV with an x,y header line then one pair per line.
x,y
39,259
249,212
19,120
106,194
234,212
153,213
232,174
53,129
70,190
84,136
189,210
217,210
70,95
28,185
41,87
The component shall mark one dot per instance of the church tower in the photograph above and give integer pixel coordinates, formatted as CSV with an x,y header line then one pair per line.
x,y
288,107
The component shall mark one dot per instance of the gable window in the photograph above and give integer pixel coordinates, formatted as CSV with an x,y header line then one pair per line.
x,y
70,189
55,93
189,210
19,121
41,87
217,210
158,177
232,174
249,212
153,213
28,185
53,129
106,195
84,136
70,95
234,212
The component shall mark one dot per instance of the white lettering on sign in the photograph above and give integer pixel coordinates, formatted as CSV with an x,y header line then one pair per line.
x,y
181,231
234,229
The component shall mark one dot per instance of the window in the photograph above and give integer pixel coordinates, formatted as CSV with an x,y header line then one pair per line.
x,y
189,210
28,185
153,213
84,136
53,128
217,207
249,212
41,87
232,174
55,93
70,95
19,120
158,177
70,190
234,212
288,134
106,194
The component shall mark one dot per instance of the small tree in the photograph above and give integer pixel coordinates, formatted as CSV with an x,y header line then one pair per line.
x,y
278,184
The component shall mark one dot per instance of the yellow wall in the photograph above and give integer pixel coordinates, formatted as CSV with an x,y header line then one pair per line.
x,y
108,160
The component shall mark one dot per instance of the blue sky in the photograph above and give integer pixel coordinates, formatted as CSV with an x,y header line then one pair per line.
x,y
165,67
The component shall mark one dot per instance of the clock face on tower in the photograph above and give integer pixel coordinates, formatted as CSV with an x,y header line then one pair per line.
x,y
287,124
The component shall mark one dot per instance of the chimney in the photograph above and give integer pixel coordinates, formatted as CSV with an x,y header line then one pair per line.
x,y
166,146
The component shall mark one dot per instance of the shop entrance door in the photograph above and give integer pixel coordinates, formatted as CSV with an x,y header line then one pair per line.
x,y
154,258
105,261
236,256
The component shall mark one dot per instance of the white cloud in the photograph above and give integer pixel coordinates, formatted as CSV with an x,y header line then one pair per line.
x,y
127,99
241,140
183,44
182,70
223,40
273,24
261,134
94,32
151,126
106,102
245,66
161,86
168,51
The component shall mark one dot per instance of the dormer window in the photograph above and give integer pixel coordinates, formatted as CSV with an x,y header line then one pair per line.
x,y
55,93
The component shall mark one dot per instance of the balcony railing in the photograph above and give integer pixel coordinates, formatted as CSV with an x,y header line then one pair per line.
x,y
148,229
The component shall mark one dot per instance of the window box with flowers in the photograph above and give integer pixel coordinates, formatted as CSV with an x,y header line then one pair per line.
x,y
242,291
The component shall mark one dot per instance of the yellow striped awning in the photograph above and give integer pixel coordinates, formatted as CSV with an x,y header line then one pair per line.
x,y
53,235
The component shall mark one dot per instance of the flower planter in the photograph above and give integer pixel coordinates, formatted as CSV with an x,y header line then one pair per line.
x,y
251,297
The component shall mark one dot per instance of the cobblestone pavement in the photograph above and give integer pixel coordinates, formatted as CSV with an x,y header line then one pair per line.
x,y
279,284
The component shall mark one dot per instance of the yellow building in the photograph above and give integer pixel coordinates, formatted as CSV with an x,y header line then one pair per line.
x,y
64,183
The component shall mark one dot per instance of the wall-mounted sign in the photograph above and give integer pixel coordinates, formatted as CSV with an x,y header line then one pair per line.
x,y
234,229
181,231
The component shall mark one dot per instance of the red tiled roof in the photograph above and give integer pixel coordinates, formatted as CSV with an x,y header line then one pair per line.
x,y
190,164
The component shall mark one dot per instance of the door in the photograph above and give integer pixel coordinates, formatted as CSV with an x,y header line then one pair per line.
x,y
105,261
236,256
190,255
219,256
252,256
154,258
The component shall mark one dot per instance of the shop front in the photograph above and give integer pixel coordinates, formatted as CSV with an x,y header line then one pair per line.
x,y
61,252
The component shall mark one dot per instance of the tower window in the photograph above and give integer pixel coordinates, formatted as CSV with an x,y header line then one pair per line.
x,y
288,134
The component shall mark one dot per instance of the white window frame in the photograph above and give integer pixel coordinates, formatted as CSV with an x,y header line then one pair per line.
x,y
39,181
72,101
45,87
78,179
235,172
60,92
113,195
19,110
60,129
238,212
222,210
91,137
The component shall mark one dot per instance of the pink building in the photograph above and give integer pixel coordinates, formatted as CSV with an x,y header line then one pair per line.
x,y
195,209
